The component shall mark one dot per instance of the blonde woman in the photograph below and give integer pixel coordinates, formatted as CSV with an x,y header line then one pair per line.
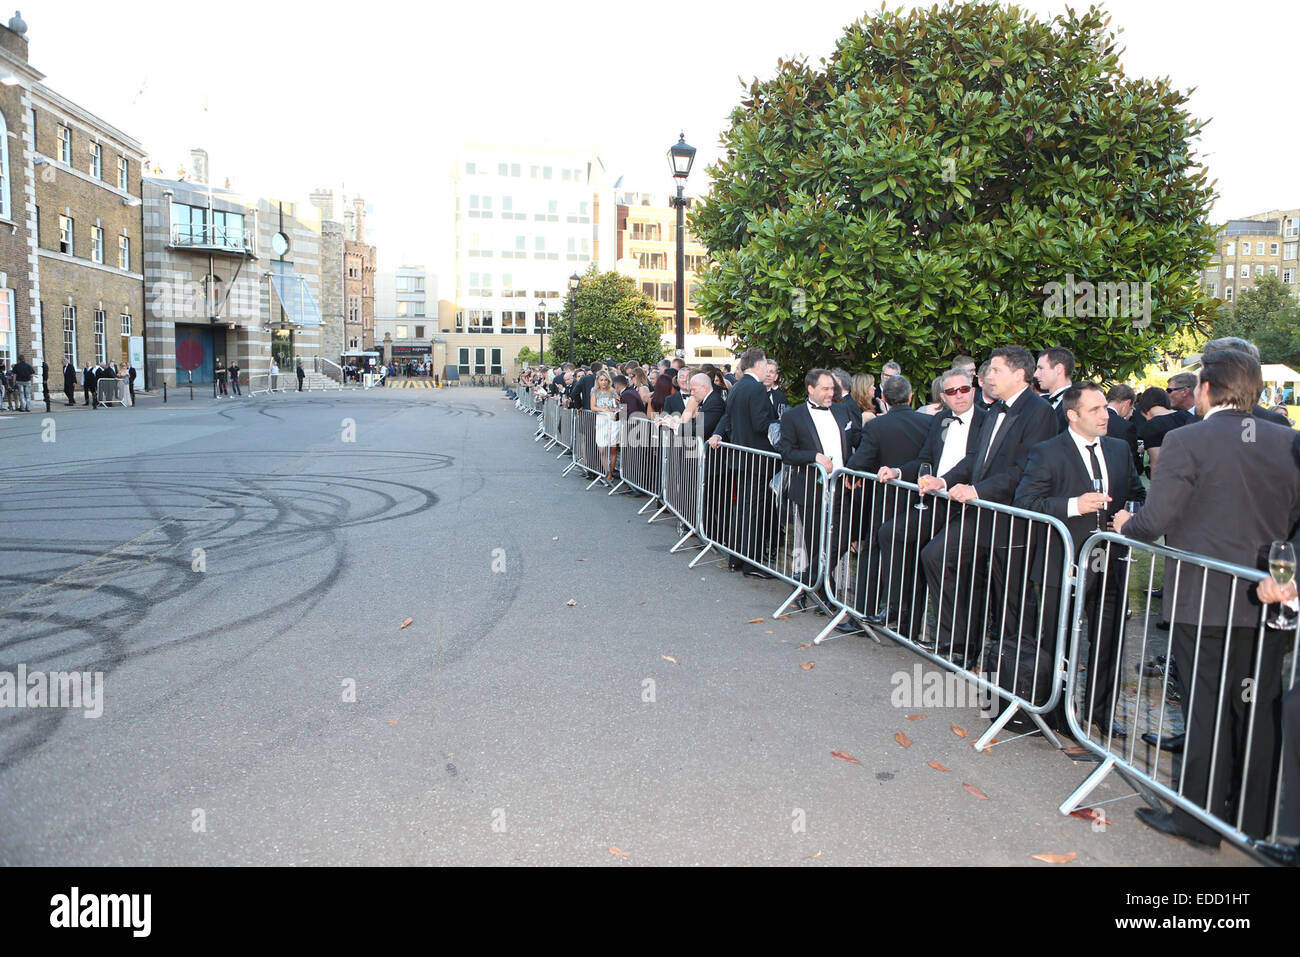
x,y
604,402
863,390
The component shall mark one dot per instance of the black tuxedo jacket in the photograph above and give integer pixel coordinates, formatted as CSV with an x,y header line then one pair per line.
x,y
69,377
1227,487
1122,429
580,395
748,415
932,451
892,439
1055,473
1057,402
995,472
800,443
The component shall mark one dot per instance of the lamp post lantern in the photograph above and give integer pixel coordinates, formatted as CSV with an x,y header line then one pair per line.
x,y
574,282
680,158
541,332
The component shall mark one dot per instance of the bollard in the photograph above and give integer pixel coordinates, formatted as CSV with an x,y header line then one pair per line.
x,y
164,393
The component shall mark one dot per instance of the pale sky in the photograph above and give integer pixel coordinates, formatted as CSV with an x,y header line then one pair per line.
x,y
378,97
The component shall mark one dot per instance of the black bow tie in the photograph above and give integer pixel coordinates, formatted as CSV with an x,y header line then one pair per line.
x,y
821,408
998,405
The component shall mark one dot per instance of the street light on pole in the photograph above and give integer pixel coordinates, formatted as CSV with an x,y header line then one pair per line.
x,y
541,331
574,282
680,158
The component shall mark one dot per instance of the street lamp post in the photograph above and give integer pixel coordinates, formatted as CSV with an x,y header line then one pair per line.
x,y
541,332
680,158
574,282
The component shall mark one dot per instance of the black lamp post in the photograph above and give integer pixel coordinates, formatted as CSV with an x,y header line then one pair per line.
x,y
680,158
574,282
541,332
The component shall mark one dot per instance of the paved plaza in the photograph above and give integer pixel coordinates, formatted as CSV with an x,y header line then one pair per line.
x,y
567,691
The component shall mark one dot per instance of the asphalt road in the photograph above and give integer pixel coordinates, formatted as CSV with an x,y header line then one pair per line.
x,y
239,572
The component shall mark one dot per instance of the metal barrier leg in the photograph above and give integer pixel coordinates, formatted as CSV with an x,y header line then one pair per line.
x,y
681,541
1071,804
662,508
700,557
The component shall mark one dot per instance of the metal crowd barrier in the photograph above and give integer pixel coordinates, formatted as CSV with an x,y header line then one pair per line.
x,y
638,460
766,514
550,425
1216,676
111,392
975,588
586,450
681,460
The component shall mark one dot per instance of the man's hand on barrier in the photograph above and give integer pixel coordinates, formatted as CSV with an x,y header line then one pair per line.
x,y
1090,502
715,440
931,483
1270,592
886,473
963,493
825,461
1119,520
852,484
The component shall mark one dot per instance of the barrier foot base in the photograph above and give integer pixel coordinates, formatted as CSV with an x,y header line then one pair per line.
x,y
682,541
649,503
700,557
830,627
563,452
662,508
549,445
620,484
1083,790
539,434
568,468
804,590
593,482
1001,721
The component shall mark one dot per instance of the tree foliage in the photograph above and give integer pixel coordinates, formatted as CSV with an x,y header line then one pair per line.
x,y
914,197
613,319
1269,316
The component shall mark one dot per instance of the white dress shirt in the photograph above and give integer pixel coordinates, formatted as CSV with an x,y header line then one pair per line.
x,y
828,432
954,441
1072,507
1002,418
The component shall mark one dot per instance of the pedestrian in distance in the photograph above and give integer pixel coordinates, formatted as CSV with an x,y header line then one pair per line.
x,y
301,374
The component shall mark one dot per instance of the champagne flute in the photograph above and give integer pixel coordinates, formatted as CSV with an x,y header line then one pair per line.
x,y
924,472
1131,507
1099,487
1281,565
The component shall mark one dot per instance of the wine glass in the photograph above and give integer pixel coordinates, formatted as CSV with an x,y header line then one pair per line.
x,y
1099,487
1281,565
1131,507
924,472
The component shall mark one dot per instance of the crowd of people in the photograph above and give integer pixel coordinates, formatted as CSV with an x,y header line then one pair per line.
x,y
1222,481
19,377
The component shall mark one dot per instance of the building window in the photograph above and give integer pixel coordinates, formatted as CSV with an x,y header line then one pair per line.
x,y
1292,227
123,171
513,322
401,332
7,325
514,169
1288,250
1288,276
419,332
123,252
125,320
1228,271
469,169
1227,293
480,320
65,145
463,363
1245,248
96,161
1212,288
1259,270
101,341
652,260
65,234
496,361
1272,270
4,169
546,172
70,333
1228,249
96,244
1272,249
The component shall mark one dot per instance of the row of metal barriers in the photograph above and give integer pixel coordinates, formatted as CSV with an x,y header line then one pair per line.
x,y
1186,706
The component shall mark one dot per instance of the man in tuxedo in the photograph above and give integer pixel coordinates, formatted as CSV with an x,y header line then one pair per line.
x,y
817,431
1252,350
88,382
580,397
774,395
1054,374
1058,481
1119,406
745,423
1227,486
984,397
70,380
1018,421
894,438
952,435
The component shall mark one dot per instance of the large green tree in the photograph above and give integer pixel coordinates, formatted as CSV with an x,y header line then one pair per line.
x,y
917,195
613,319
1269,316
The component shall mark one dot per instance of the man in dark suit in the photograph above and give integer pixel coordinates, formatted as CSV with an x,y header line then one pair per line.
x,y
745,423
70,380
892,439
952,434
1058,481
1054,374
815,431
1119,405
1018,421
1227,486
774,394
88,382
580,397
1248,347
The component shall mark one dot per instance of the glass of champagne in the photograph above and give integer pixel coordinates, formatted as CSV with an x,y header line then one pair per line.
x,y
1131,507
922,473
1281,565
1099,487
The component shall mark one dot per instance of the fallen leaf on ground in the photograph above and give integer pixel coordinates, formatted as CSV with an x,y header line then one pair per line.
x,y
975,791
392,722
571,602
802,647
813,857
1076,751
780,617
845,756
666,658
807,666
768,632
915,717
1055,858
1091,814
405,623
753,621
937,766
960,732
615,851
903,739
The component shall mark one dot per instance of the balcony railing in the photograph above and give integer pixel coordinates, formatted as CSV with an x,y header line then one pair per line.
x,y
197,236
